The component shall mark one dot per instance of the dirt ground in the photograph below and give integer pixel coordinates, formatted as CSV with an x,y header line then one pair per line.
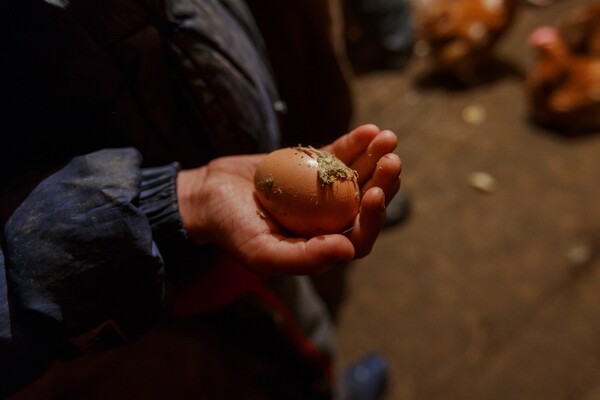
x,y
481,294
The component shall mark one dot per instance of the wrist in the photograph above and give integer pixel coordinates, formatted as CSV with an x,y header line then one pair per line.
x,y
191,205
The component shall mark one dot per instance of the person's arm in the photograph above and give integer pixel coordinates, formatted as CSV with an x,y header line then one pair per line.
x,y
80,266
81,256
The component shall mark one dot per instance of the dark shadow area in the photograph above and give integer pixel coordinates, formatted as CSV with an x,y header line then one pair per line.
x,y
561,131
492,71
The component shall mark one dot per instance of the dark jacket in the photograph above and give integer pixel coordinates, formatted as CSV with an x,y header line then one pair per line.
x,y
185,81
85,232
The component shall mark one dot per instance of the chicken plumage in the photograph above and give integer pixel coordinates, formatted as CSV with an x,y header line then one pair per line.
x,y
461,34
563,87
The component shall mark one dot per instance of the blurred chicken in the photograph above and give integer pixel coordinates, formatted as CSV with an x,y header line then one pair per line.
x,y
581,29
563,87
461,34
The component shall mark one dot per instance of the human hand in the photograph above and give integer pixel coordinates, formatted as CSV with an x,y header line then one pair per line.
x,y
369,151
218,205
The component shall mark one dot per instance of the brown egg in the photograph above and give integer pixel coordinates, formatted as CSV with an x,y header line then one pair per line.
x,y
308,191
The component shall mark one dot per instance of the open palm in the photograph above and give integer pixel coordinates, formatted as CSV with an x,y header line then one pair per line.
x,y
218,205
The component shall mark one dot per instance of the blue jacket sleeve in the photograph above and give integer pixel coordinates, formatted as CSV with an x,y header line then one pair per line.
x,y
80,267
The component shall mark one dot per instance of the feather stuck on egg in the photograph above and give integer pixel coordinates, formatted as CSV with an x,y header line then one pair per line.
x,y
308,191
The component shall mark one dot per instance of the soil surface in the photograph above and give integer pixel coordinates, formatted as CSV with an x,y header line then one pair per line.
x,y
491,288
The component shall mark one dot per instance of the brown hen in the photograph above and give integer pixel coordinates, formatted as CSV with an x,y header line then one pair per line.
x,y
462,33
563,87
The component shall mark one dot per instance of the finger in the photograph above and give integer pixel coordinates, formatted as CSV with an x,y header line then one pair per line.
x,y
384,143
386,176
369,222
300,256
348,147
